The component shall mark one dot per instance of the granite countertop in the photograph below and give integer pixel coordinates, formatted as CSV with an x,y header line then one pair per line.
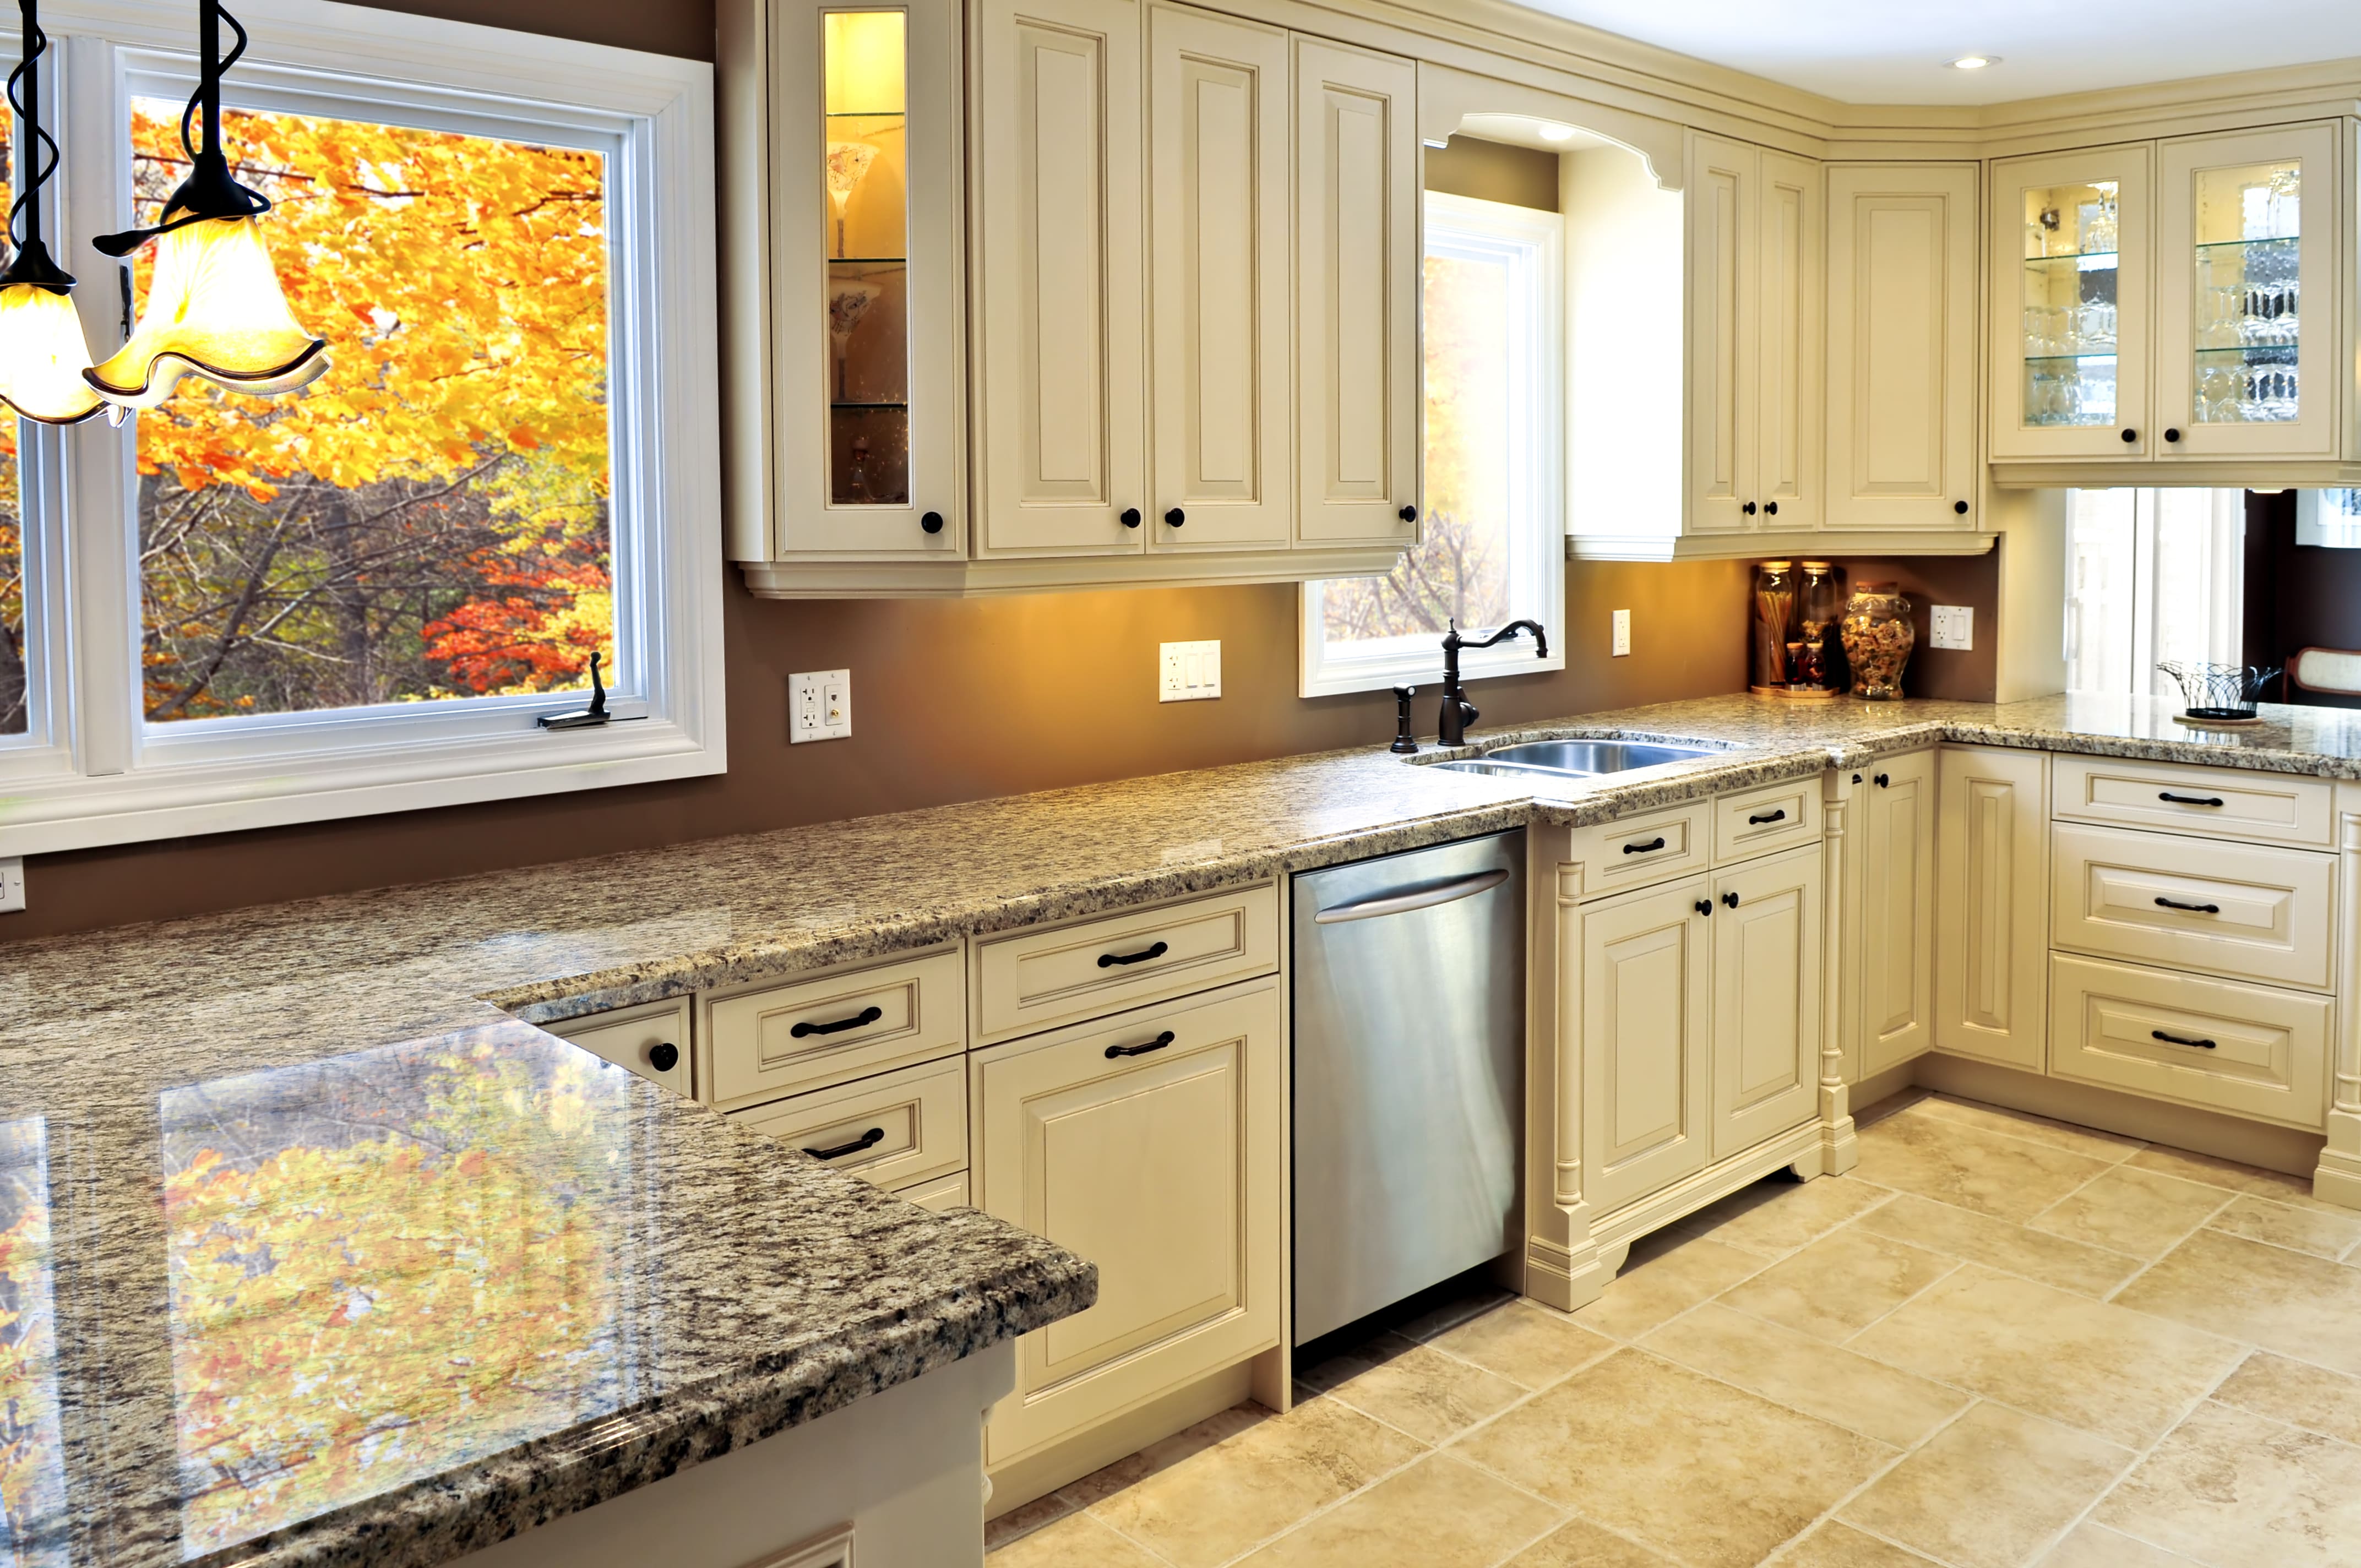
x,y
310,1248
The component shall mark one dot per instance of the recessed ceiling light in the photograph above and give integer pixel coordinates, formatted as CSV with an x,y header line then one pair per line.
x,y
1557,133
1974,61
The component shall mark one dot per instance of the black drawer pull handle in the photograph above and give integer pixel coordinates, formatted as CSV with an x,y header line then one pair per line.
x,y
866,1015
1156,1043
663,1057
2181,1040
1650,848
2188,799
868,1140
2164,902
1760,817
1108,961
1729,900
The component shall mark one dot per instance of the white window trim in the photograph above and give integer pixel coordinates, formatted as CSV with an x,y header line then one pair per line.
x,y
91,772
1535,241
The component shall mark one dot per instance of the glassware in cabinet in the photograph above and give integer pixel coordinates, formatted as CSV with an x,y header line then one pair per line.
x,y
2070,315
865,175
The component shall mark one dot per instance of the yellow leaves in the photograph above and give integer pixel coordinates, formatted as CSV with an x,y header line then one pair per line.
x,y
523,440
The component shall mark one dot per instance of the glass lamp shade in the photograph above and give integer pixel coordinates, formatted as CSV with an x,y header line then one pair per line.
x,y
215,310
43,355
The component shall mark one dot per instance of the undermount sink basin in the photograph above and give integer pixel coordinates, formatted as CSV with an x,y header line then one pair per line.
x,y
1500,770
1594,756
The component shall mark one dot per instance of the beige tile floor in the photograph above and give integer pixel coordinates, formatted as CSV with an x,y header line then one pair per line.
x,y
1999,1342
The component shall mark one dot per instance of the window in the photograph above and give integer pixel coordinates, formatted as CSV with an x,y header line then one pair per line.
x,y
2152,575
361,597
1493,547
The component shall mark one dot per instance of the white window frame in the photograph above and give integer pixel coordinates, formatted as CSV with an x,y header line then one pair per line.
x,y
92,771
1532,243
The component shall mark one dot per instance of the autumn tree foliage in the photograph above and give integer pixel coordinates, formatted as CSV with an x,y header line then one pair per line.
x,y
430,518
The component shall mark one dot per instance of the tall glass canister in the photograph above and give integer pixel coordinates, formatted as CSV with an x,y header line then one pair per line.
x,y
1774,624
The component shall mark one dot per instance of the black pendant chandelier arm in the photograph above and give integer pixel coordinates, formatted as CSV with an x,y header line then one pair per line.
x,y
32,263
210,192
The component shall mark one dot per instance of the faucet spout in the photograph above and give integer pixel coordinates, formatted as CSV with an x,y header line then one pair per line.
x,y
1458,713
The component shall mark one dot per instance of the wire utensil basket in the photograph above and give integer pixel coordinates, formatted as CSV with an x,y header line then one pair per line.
x,y
2220,693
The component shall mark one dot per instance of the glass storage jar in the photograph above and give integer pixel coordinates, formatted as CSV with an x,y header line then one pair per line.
x,y
1775,623
1819,605
1878,639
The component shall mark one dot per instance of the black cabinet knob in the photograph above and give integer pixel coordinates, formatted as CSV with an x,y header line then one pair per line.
x,y
2171,435
1748,509
663,1058
1960,507
1410,514
1884,780
1175,518
932,522
1704,907
1729,900
1131,517
2130,436
1770,509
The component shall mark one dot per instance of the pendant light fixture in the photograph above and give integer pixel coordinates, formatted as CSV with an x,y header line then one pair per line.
x,y
43,355
215,307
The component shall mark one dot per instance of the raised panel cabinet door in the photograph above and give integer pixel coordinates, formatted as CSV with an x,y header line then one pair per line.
x,y
1902,344
1061,282
1221,406
1789,406
2072,329
2249,339
866,308
1724,336
1992,881
1643,967
1151,1149
1897,910
1357,246
1767,985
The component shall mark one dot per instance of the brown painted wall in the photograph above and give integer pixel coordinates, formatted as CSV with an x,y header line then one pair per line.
x,y
1964,675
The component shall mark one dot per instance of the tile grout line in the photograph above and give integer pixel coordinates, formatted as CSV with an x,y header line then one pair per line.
x,y
1829,1515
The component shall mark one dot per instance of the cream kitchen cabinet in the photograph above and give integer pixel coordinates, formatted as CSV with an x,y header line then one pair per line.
x,y
1150,1144
1767,984
1991,849
1903,360
652,1041
1642,1036
1886,974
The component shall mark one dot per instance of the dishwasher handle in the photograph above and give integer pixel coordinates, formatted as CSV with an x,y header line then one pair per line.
x,y
1411,898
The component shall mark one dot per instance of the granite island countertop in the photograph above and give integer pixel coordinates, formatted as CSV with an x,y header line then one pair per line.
x,y
248,1160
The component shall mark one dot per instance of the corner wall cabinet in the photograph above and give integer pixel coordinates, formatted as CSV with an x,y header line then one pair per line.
x,y
1152,289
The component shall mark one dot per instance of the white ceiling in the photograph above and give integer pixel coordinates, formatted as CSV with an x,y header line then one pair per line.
x,y
1895,51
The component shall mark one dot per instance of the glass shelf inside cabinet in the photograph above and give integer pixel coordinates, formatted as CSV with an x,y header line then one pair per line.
x,y
866,225
2249,291
2068,304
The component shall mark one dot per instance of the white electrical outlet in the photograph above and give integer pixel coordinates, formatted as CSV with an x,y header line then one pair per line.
x,y
819,706
1951,625
1622,634
1188,672
12,884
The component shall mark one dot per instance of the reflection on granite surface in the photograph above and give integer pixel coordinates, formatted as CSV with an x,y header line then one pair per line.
x,y
32,1466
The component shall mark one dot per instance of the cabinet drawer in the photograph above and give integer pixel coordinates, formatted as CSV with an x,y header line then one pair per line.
x,y
636,1037
895,1129
2243,1048
1638,852
1778,816
759,1045
937,1193
2227,802
1161,1167
2236,909
1028,980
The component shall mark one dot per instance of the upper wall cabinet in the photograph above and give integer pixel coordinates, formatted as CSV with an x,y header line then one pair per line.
x,y
2175,311
1902,346
1186,246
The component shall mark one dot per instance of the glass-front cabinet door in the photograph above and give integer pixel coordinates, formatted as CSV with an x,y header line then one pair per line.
x,y
2071,270
864,284
2246,314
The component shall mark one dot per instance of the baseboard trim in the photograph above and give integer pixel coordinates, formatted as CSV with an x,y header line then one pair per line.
x,y
1871,1093
1119,1436
2284,1149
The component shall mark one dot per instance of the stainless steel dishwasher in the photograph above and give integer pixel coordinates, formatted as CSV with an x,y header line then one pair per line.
x,y
1409,1024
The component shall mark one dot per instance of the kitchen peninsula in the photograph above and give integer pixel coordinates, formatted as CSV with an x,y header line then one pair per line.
x,y
230,1141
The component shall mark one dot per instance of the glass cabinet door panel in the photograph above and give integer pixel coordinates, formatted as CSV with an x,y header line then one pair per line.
x,y
865,179
2246,319
2068,319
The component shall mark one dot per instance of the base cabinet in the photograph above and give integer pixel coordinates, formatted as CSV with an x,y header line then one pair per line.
x,y
1151,1144
1644,1031
1767,980
1889,1002
1992,932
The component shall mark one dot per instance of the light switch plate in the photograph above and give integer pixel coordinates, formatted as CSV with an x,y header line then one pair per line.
x,y
1622,634
1188,672
12,884
819,706
1951,625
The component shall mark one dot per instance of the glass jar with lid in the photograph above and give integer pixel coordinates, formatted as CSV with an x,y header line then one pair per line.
x,y
1774,625
1878,639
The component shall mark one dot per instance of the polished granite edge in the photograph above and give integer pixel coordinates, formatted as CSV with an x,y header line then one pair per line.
x,y
440,1517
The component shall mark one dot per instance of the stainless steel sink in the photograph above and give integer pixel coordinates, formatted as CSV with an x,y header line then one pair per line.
x,y
1501,770
1594,756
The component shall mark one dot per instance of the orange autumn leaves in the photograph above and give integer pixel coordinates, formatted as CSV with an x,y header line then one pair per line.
x,y
429,520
